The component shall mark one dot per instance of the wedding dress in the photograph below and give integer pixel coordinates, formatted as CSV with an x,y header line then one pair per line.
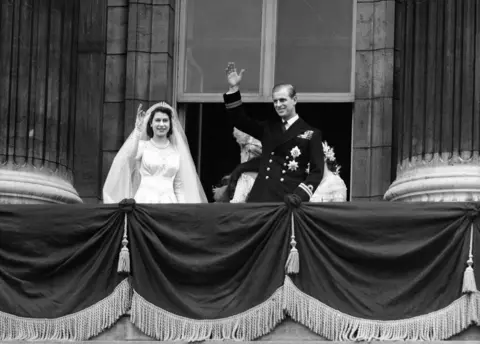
x,y
332,188
244,185
250,147
160,182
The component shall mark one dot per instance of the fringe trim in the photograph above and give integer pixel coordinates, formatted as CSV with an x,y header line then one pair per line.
x,y
338,326
163,325
78,326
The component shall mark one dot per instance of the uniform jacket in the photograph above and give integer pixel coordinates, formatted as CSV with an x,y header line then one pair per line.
x,y
292,161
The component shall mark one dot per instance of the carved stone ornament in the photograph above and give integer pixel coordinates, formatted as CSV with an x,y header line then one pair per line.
x,y
437,178
30,185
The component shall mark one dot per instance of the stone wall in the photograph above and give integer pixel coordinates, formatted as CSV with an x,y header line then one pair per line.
x,y
372,118
89,103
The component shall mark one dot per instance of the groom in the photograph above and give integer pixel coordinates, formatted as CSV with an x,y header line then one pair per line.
x,y
291,165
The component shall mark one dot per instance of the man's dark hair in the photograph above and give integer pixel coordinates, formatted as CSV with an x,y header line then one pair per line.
x,y
292,92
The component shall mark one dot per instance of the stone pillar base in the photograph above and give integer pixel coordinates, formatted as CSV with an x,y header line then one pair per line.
x,y
441,179
25,187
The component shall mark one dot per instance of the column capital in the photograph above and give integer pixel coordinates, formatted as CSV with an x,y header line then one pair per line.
x,y
29,185
437,178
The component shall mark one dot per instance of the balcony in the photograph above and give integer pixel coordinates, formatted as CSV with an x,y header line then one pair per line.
x,y
342,272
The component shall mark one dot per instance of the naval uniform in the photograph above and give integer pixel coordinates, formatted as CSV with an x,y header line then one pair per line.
x,y
292,159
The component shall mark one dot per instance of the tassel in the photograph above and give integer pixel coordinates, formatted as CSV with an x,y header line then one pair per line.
x,y
292,266
469,284
124,258
293,263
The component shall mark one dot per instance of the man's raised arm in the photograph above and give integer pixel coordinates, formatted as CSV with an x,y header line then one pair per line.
x,y
234,105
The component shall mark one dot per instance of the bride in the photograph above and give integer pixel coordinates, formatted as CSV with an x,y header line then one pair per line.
x,y
154,164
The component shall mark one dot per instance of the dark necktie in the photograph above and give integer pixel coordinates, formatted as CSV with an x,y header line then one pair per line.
x,y
284,125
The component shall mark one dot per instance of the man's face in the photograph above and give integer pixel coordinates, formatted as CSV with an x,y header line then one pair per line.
x,y
284,104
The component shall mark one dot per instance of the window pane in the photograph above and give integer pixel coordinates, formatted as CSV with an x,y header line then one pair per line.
x,y
314,45
218,32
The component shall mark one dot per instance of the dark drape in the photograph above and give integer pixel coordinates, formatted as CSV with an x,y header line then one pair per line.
x,y
57,260
373,261
207,262
381,260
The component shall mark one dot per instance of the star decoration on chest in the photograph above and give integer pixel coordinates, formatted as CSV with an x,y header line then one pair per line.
x,y
292,165
295,152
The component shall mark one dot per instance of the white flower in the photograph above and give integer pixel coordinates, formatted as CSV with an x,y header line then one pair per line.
x,y
328,151
292,165
295,152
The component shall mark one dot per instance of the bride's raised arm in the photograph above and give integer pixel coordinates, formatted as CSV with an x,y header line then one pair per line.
x,y
119,184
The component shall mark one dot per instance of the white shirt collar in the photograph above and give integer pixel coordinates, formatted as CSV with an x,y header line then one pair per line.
x,y
291,121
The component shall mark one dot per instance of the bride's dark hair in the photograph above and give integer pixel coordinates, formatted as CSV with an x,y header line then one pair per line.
x,y
164,110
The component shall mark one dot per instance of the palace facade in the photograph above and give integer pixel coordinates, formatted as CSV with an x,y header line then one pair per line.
x,y
393,85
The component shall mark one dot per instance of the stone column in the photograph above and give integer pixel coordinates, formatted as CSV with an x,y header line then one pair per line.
x,y
437,101
38,40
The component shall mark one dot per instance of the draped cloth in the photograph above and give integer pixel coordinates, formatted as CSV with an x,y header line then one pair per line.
x,y
377,270
58,271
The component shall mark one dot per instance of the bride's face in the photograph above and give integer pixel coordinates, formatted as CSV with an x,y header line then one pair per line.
x,y
160,124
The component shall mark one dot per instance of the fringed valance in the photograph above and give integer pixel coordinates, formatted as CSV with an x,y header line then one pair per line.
x,y
348,271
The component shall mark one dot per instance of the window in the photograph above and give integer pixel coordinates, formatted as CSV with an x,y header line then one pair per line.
x,y
308,43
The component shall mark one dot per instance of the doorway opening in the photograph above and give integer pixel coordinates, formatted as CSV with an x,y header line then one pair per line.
x,y
216,153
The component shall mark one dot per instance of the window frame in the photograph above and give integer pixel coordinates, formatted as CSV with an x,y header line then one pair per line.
x,y
267,62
